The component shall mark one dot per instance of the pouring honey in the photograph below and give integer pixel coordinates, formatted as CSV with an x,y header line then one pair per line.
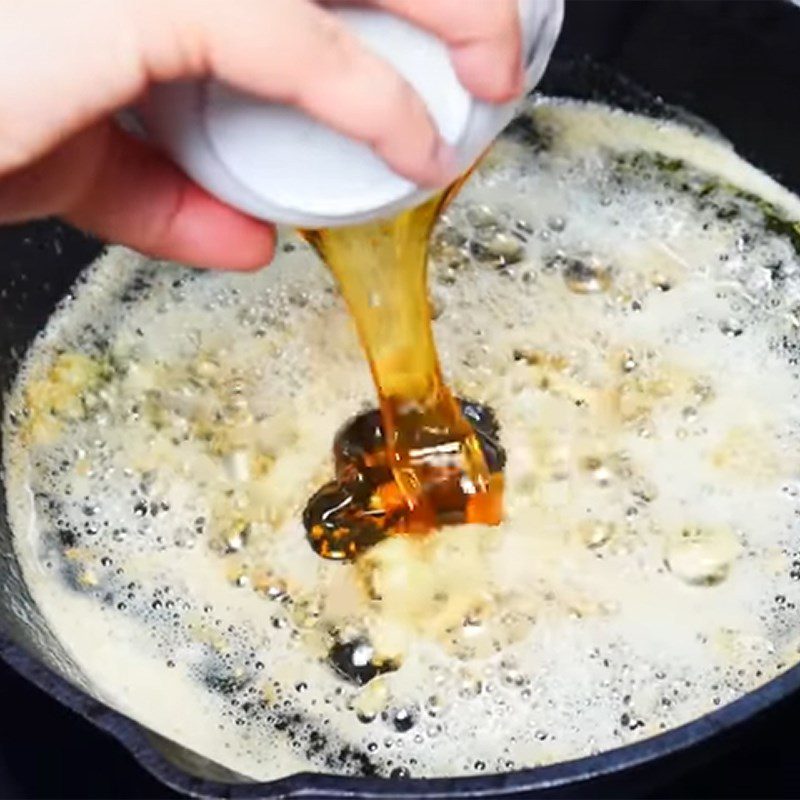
x,y
426,459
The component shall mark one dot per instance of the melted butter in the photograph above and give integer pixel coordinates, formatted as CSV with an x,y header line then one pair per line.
x,y
156,489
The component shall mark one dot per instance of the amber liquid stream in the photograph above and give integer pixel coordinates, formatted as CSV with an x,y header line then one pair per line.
x,y
421,463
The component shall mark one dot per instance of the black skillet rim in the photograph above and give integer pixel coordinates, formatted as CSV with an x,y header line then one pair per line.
x,y
313,785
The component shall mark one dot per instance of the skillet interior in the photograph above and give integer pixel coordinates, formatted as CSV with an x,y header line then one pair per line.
x,y
733,65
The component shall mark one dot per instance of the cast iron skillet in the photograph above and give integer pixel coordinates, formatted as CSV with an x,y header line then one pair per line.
x,y
734,64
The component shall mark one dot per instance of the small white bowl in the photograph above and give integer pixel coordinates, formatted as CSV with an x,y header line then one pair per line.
x,y
276,163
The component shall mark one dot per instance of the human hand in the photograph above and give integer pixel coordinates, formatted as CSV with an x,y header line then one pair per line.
x,y
68,66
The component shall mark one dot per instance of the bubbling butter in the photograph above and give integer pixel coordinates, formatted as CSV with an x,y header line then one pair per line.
x,y
624,293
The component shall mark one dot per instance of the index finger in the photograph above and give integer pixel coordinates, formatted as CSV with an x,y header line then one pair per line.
x,y
294,52
484,36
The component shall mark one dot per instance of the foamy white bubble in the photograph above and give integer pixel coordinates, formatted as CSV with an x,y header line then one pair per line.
x,y
627,309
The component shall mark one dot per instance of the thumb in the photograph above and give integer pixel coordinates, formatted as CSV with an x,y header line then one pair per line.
x,y
122,190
